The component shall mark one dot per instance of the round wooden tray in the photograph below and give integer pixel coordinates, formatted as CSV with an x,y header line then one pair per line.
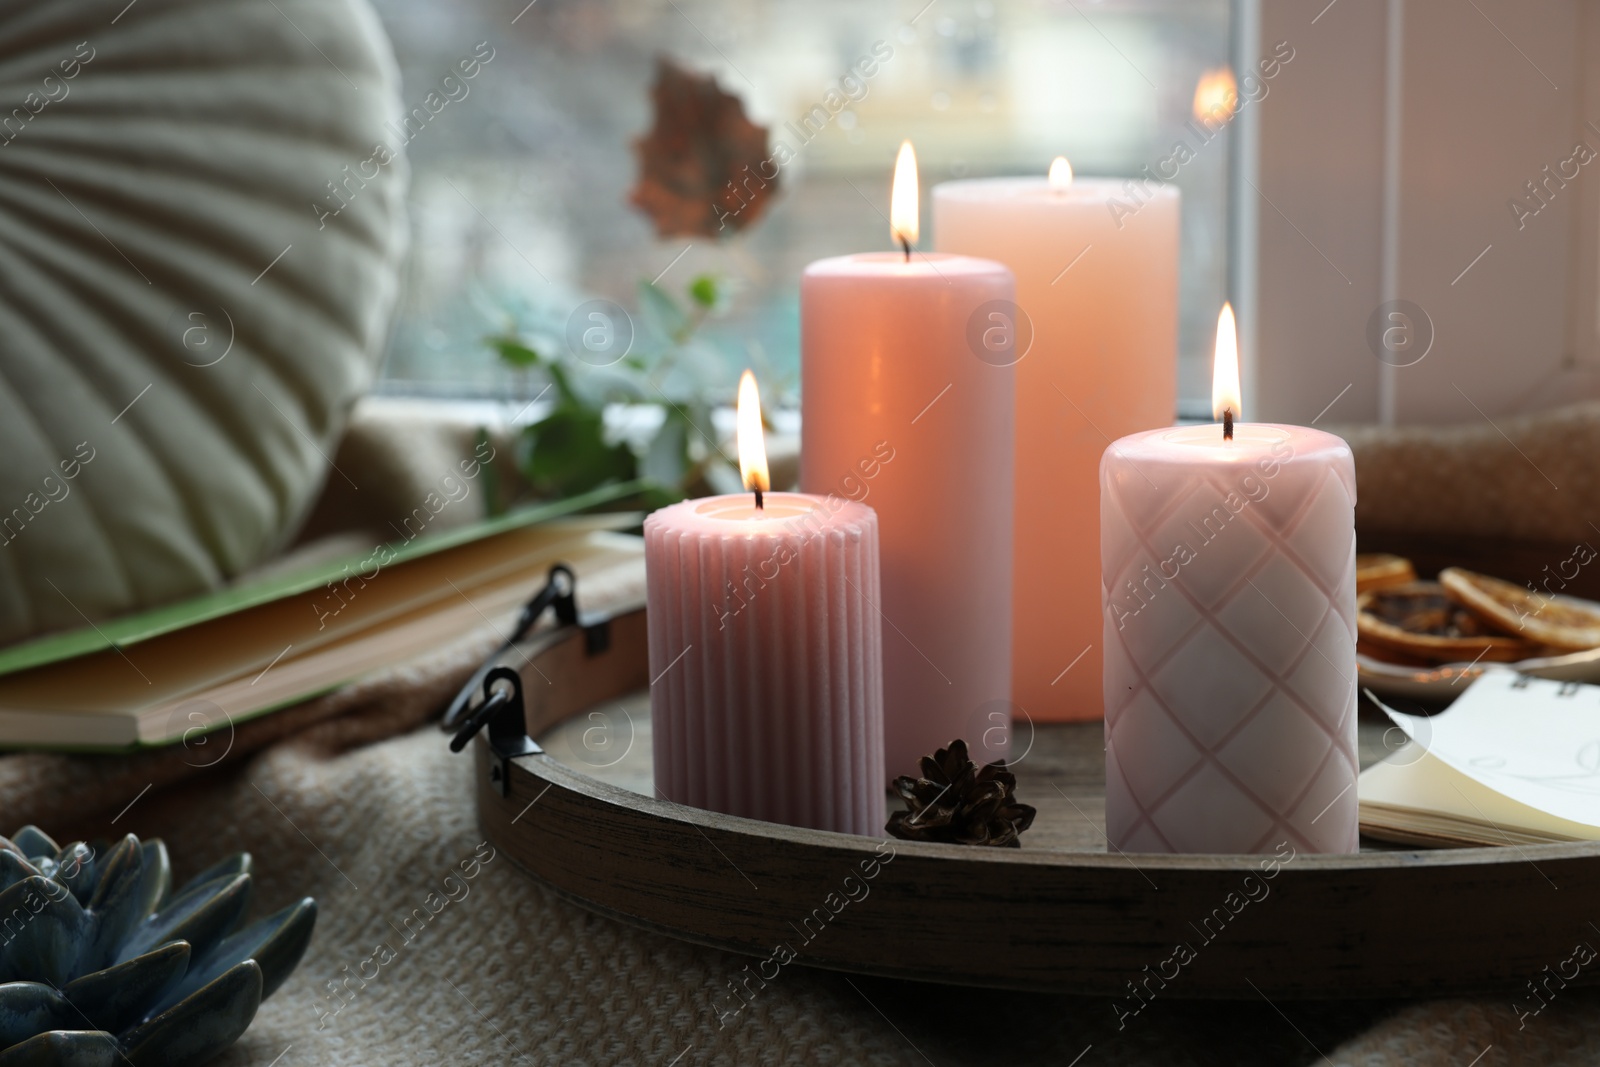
x,y
1061,913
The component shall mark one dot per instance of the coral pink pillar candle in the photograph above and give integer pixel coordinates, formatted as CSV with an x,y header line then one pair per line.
x,y
1229,628
766,657
900,409
1097,276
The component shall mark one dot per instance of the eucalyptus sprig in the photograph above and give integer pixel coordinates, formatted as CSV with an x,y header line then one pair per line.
x,y
570,449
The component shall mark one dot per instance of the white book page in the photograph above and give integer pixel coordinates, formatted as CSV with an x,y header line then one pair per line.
x,y
1414,790
1534,741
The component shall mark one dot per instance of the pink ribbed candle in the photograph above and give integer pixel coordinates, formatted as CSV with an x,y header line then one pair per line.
x,y
766,659
1230,617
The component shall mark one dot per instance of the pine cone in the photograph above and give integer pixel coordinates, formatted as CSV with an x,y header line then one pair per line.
x,y
100,962
958,802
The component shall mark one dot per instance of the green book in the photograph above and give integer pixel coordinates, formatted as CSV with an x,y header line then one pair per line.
x,y
141,626
218,659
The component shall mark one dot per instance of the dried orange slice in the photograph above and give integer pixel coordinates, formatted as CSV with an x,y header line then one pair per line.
x,y
1380,570
1384,654
1565,624
1420,621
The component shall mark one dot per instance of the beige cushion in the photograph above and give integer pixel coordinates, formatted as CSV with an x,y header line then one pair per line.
x,y
166,400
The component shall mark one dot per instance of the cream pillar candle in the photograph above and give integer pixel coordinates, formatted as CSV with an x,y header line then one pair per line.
x,y
766,654
1229,629
899,409
1097,276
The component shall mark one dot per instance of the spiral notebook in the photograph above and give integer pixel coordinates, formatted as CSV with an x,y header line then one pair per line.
x,y
1514,761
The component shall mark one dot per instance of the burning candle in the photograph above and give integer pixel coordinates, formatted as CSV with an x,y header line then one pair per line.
x,y
907,402
766,654
1228,571
1096,262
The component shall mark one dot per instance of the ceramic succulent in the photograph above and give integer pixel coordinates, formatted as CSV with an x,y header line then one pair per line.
x,y
102,963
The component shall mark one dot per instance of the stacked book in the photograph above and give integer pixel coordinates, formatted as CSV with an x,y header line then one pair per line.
x,y
165,675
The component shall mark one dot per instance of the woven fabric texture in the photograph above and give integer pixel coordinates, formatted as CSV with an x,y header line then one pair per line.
x,y
354,799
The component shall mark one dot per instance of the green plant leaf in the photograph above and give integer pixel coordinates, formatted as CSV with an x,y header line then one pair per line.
x,y
568,450
705,291
666,460
493,505
515,352
566,453
654,497
566,396
662,312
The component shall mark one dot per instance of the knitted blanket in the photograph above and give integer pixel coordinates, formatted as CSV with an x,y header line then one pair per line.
x,y
431,948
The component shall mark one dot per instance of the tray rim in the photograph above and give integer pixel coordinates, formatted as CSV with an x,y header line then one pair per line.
x,y
674,890
545,769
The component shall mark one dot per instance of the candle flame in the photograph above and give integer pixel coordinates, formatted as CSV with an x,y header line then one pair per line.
x,y
903,197
1215,96
1225,367
752,439
1060,173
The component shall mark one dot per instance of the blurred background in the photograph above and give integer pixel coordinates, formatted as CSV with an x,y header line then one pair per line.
x,y
519,199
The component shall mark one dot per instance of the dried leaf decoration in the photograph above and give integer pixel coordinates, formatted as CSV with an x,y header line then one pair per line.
x,y
703,167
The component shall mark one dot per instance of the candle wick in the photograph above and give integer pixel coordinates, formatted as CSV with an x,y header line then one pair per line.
x,y
760,506
905,243
1227,424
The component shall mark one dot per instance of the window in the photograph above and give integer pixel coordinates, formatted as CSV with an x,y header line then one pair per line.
x,y
520,188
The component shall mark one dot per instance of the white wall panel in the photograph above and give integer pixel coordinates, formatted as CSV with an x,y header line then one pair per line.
x,y
1490,93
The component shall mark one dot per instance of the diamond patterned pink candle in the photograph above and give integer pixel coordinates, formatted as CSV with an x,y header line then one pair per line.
x,y
1228,571
1229,581
1227,563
